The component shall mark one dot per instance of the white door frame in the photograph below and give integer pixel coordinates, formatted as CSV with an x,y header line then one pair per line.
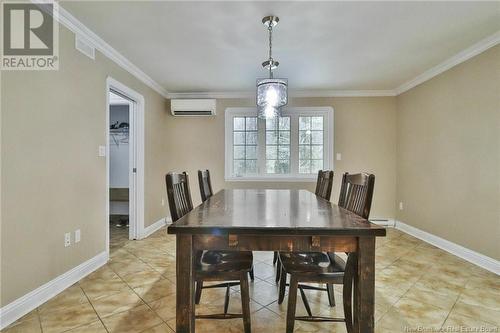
x,y
136,158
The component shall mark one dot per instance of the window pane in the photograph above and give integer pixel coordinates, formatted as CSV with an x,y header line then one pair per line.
x,y
284,124
317,152
304,137
304,166
304,123
307,145
244,146
284,138
304,152
311,144
317,123
317,137
251,153
251,123
316,165
283,166
271,152
271,138
270,166
239,124
251,138
284,153
239,167
239,138
278,145
239,152
271,124
251,166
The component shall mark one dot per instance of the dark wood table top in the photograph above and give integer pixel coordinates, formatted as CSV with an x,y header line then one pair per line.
x,y
272,212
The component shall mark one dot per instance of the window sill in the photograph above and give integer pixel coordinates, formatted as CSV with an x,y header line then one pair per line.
x,y
289,179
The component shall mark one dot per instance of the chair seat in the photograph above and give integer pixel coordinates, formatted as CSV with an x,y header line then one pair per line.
x,y
312,262
223,261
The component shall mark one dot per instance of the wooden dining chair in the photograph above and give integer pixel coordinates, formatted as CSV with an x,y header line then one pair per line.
x,y
205,184
324,185
229,267
356,193
317,267
323,190
206,192
178,194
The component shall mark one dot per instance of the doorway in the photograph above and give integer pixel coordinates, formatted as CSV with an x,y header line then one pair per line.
x,y
124,164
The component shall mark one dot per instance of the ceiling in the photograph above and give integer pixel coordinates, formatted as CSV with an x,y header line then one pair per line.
x,y
219,46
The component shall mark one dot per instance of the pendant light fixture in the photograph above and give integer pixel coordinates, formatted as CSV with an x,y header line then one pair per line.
x,y
272,94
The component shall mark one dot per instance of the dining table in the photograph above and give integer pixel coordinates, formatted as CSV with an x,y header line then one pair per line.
x,y
292,220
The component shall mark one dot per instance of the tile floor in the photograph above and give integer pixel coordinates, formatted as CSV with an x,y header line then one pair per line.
x,y
417,287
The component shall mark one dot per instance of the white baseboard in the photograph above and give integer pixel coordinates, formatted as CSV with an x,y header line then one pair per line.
x,y
23,305
153,227
471,256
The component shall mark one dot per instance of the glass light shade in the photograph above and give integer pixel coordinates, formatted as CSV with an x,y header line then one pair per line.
x,y
268,112
272,94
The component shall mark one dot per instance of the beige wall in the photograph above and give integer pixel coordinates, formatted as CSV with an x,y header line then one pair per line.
x,y
449,154
440,141
365,135
51,178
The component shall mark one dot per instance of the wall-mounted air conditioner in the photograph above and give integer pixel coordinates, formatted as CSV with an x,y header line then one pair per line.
x,y
192,107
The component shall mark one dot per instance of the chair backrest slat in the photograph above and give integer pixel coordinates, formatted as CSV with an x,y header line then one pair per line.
x,y
356,193
324,184
179,195
205,184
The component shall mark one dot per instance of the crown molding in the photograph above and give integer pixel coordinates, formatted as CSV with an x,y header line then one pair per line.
x,y
292,93
212,94
457,59
342,93
78,28
453,61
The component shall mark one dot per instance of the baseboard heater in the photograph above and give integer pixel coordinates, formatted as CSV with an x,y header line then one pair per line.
x,y
384,222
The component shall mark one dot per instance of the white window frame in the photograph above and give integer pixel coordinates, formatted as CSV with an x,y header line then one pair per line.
x,y
294,112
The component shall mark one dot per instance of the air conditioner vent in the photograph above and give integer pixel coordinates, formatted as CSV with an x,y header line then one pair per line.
x,y
193,107
193,113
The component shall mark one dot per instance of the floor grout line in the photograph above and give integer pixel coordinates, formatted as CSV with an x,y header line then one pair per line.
x,y
144,251
92,305
39,319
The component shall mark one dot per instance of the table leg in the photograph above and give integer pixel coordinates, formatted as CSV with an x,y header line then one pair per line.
x,y
185,284
364,286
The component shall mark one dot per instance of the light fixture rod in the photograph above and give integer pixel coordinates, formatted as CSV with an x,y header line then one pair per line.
x,y
270,22
270,29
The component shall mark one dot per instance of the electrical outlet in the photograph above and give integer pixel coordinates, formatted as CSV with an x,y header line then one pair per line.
x,y
401,205
163,201
67,239
102,151
77,235
339,156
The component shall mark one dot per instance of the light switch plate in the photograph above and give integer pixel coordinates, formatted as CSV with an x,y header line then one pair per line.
x,y
102,151
339,156
401,205
77,235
